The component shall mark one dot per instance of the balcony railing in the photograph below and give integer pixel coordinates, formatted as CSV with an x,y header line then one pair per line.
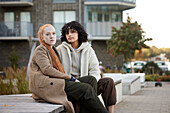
x,y
15,0
120,4
101,29
94,29
64,1
16,29
129,1
11,3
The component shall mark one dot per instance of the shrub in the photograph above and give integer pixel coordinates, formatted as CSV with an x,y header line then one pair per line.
x,y
167,73
113,71
15,82
165,78
6,86
154,77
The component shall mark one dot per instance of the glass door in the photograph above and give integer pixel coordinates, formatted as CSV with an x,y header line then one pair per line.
x,y
9,22
62,17
25,23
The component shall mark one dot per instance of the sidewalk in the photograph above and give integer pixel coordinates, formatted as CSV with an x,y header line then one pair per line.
x,y
150,99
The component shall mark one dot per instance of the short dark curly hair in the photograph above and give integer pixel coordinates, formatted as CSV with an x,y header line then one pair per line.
x,y
82,35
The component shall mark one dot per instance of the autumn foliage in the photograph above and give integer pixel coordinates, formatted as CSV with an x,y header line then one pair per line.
x,y
126,40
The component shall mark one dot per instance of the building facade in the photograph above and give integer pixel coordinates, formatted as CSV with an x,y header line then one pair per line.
x,y
22,18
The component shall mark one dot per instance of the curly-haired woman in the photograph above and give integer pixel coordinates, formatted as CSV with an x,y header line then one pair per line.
x,y
79,59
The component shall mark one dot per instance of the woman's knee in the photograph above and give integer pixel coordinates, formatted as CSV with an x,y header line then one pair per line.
x,y
93,79
107,80
85,87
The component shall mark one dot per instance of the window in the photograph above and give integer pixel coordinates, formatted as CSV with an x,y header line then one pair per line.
x,y
99,17
25,23
139,64
9,20
116,17
106,17
94,16
62,17
64,1
89,16
103,14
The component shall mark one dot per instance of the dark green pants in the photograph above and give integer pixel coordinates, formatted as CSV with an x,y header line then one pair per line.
x,y
85,93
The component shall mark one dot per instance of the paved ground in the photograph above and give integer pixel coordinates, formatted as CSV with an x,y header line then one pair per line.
x,y
150,99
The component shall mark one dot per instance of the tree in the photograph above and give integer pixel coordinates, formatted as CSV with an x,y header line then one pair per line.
x,y
126,40
151,68
14,57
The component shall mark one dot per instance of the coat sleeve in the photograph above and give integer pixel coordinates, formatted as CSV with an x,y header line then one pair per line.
x,y
94,65
42,60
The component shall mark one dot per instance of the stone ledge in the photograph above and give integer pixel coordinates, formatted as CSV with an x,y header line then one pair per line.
x,y
25,104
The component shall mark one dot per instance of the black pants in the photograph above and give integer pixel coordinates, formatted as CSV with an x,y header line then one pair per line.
x,y
85,92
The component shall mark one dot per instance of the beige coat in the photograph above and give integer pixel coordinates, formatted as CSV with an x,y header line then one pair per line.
x,y
45,82
89,64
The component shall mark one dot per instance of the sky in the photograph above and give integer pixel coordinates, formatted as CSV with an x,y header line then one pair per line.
x,y
154,17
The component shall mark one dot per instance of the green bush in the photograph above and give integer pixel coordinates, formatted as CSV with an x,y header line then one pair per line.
x,y
15,82
154,77
167,73
6,86
165,78
114,71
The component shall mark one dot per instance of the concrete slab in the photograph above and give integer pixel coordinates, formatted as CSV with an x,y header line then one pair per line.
x,y
130,83
23,103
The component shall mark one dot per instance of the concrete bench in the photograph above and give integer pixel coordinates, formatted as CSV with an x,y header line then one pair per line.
x,y
130,84
118,86
142,76
23,103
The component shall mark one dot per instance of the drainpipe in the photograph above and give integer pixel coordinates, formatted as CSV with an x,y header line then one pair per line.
x,y
80,11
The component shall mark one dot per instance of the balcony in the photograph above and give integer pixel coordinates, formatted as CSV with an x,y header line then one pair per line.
x,y
121,4
101,30
16,3
15,30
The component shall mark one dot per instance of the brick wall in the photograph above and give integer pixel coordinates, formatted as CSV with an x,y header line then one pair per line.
x,y
41,14
21,47
100,48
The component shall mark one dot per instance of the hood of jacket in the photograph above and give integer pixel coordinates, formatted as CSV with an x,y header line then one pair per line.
x,y
84,46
